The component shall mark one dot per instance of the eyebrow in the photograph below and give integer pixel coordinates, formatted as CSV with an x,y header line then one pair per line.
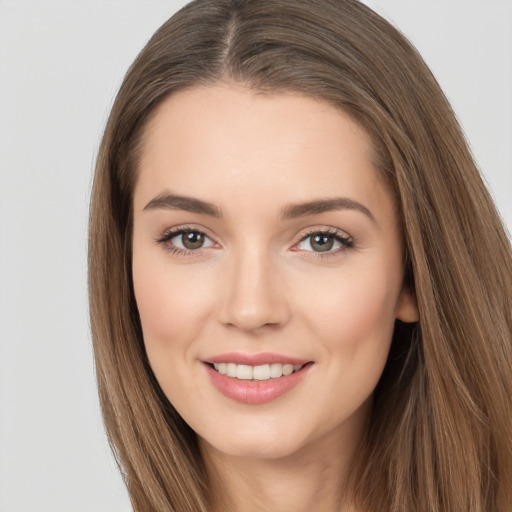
x,y
292,211
188,204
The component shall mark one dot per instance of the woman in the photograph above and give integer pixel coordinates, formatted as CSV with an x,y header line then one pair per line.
x,y
300,289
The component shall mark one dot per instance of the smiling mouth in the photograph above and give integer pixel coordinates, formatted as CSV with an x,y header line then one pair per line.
x,y
260,373
257,383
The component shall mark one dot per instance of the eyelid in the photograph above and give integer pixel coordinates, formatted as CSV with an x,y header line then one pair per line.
x,y
343,237
174,231
328,230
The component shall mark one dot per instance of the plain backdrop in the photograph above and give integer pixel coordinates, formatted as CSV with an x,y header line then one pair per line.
x,y
61,63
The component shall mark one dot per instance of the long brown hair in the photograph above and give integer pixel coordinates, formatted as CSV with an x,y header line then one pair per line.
x,y
440,436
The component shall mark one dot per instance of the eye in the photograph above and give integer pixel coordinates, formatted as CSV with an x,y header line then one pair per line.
x,y
190,240
185,240
324,242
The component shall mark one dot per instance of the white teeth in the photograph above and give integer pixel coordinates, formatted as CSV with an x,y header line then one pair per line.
x,y
231,369
276,370
261,372
243,372
287,369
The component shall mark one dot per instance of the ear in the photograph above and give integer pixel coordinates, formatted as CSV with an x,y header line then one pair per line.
x,y
407,307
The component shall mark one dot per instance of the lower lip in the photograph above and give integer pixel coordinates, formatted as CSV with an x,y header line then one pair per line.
x,y
254,392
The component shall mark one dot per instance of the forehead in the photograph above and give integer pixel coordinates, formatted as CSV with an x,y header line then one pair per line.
x,y
226,139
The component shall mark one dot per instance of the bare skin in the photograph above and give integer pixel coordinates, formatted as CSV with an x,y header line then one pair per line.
x,y
262,227
301,482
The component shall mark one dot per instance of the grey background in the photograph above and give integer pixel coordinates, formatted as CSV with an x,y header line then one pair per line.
x,y
61,63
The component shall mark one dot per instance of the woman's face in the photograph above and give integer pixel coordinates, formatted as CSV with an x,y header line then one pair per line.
x,y
265,242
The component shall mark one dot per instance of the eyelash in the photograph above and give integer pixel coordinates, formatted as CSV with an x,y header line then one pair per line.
x,y
165,239
345,241
339,236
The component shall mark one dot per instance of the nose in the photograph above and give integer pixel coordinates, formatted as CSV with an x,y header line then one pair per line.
x,y
254,296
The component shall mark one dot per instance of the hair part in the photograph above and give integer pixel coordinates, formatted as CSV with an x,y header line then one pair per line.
x,y
439,439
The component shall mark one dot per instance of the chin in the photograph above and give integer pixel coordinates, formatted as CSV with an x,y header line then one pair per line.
x,y
261,445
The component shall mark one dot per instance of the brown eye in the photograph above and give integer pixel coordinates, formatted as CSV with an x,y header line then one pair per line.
x,y
322,242
182,241
325,242
192,239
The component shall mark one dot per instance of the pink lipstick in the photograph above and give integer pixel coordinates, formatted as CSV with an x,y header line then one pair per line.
x,y
255,378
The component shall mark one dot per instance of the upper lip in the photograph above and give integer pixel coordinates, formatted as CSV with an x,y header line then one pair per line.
x,y
255,359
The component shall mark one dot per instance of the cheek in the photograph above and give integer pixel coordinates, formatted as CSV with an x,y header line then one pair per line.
x,y
172,301
356,317
353,327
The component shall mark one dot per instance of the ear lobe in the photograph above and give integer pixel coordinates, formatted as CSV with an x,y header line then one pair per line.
x,y
407,307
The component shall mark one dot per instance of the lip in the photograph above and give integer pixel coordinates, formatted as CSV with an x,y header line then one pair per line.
x,y
255,359
254,392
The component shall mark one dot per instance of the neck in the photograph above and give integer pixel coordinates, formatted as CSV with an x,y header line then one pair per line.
x,y
313,478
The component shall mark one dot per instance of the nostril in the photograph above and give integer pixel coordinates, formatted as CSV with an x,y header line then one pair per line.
x,y
252,298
